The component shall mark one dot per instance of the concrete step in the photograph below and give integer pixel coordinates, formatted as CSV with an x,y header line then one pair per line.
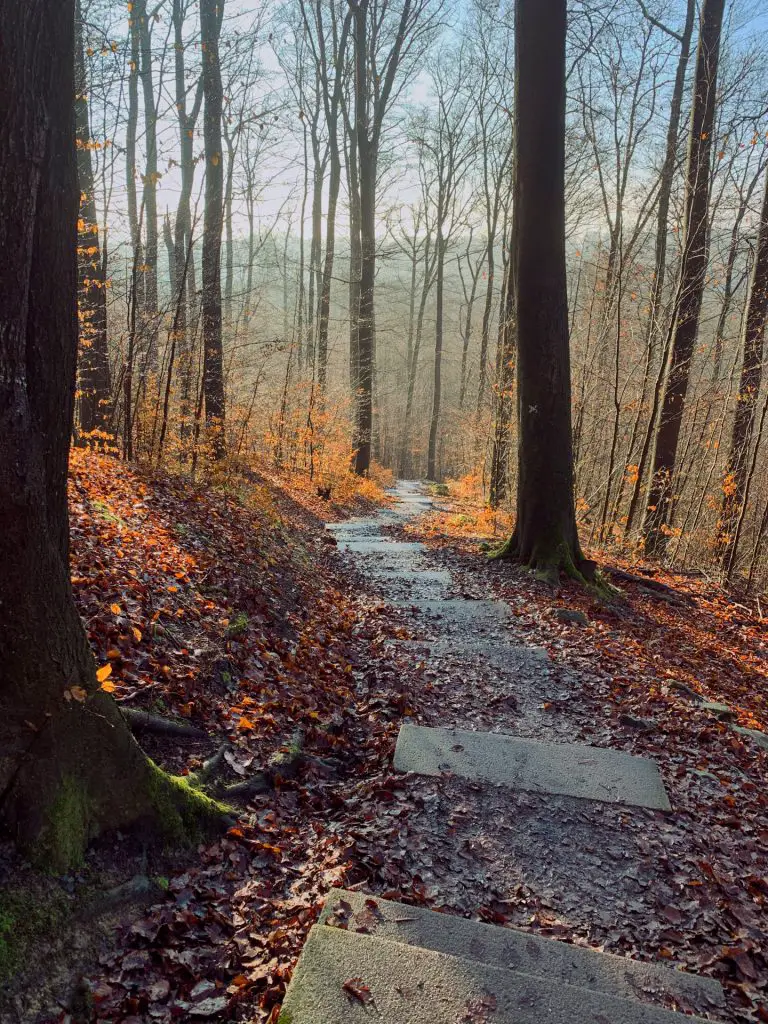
x,y
459,609
392,548
567,769
348,978
518,951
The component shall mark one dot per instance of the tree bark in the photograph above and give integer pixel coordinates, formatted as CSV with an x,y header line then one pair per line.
x,y
151,176
505,380
366,170
94,380
69,767
660,501
182,235
734,484
211,13
438,363
545,536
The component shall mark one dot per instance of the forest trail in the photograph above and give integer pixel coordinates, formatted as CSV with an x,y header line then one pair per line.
x,y
494,778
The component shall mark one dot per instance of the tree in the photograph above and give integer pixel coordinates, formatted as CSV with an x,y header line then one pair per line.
x,y
545,537
735,482
451,147
693,269
69,766
94,381
328,46
211,14
377,63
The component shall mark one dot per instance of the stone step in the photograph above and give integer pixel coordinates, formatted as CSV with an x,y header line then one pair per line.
x,y
500,654
418,578
519,951
348,978
393,548
357,527
568,769
459,610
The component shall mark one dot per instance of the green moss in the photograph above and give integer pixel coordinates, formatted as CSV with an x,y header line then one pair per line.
x,y
103,511
237,625
184,814
66,833
286,1017
25,918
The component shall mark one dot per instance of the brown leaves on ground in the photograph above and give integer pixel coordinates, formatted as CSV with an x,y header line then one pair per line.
x,y
221,607
644,664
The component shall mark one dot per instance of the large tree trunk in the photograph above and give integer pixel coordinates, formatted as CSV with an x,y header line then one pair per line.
x,y
94,383
660,502
734,485
211,13
69,767
545,536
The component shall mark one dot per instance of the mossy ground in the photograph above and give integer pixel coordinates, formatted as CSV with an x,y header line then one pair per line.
x,y
28,915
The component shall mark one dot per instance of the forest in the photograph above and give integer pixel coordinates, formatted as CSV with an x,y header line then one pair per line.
x,y
383,511
327,157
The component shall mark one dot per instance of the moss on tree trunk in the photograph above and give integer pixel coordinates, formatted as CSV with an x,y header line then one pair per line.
x,y
69,767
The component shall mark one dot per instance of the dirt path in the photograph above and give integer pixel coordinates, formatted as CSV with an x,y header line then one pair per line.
x,y
632,881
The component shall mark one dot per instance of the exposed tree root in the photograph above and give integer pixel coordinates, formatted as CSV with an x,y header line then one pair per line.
x,y
659,589
143,721
285,764
547,562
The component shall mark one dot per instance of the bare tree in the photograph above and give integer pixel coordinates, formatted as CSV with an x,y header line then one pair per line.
x,y
660,501
545,536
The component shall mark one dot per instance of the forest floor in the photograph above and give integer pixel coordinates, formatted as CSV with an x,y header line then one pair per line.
x,y
229,609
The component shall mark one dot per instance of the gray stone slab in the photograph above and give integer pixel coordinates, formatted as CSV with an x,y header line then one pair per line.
x,y
500,654
394,548
568,769
357,526
519,951
399,984
460,609
419,577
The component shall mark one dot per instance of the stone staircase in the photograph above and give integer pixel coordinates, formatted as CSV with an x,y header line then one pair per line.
x,y
372,959
368,958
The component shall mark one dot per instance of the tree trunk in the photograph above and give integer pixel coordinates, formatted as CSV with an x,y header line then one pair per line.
x,y
505,381
324,313
211,13
182,235
430,255
734,485
94,383
366,168
660,502
69,766
660,261
436,384
545,536
151,176
353,182
229,245
131,129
